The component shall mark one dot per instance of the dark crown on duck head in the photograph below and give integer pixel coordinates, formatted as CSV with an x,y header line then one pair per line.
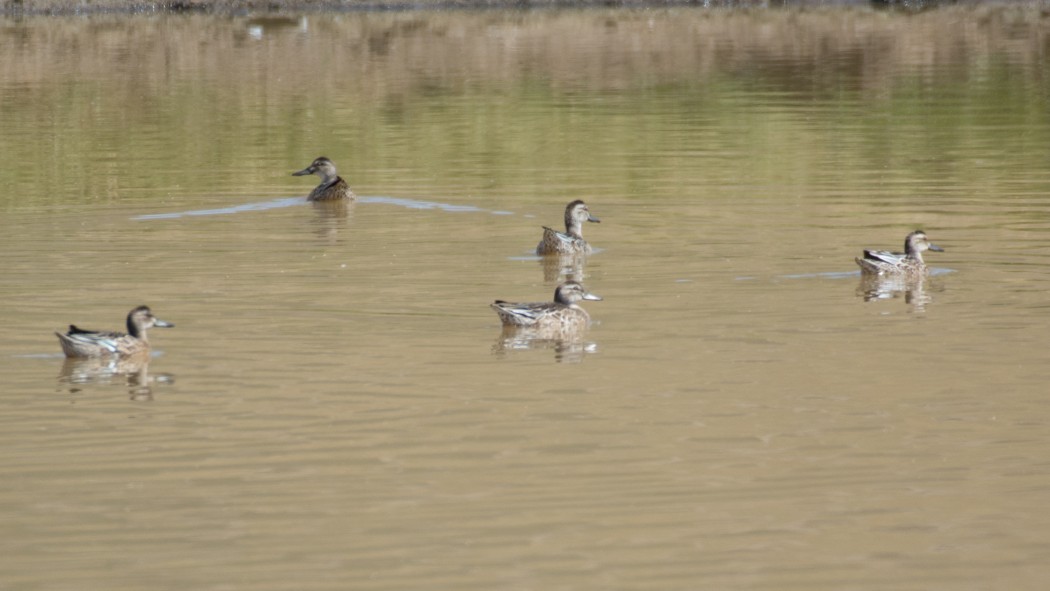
x,y
133,319
142,318
571,292
321,162
913,237
570,219
315,166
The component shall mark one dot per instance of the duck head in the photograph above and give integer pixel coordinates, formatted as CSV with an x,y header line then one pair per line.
x,y
570,292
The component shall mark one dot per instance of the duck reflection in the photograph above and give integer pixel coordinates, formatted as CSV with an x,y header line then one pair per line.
x,y
130,372
563,267
568,347
332,218
916,290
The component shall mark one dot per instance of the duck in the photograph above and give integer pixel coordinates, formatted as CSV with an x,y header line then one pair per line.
x,y
908,263
571,240
78,342
561,315
332,187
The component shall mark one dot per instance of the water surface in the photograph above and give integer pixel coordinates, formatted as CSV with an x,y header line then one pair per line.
x,y
337,407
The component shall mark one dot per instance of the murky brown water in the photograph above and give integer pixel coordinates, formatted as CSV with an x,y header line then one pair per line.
x,y
336,407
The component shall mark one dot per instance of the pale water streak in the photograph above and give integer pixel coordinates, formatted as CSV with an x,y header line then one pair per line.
x,y
290,201
337,406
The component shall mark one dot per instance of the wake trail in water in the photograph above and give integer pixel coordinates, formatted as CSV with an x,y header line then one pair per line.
x,y
291,201
934,272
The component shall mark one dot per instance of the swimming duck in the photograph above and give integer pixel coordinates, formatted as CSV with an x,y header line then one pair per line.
x,y
563,314
909,262
571,241
93,343
332,186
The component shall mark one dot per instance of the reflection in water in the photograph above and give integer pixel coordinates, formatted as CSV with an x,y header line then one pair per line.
x,y
915,289
768,139
332,217
569,347
563,267
131,372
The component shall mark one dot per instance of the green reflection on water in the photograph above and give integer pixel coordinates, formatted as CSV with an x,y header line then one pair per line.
x,y
515,105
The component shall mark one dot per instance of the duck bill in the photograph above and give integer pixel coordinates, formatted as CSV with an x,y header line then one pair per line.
x,y
591,218
936,248
304,172
592,297
158,323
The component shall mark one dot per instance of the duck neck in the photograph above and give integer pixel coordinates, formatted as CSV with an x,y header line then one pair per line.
x,y
327,180
133,330
573,228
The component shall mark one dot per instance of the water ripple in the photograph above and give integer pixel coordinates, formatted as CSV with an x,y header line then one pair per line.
x,y
290,201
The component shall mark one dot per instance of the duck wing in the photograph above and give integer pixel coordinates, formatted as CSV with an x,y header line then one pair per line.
x,y
557,242
106,339
521,314
890,258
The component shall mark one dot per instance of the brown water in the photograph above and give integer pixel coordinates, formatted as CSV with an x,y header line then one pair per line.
x,y
337,408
